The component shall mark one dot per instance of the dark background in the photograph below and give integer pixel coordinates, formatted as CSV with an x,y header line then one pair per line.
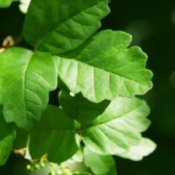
x,y
152,24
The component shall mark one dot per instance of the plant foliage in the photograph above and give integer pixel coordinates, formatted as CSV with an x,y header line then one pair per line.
x,y
98,76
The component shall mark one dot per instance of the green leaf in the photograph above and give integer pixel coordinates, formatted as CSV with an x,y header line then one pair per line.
x,y
26,79
113,131
82,173
106,68
87,111
99,165
23,6
5,3
54,135
118,128
137,152
7,135
70,23
21,139
106,75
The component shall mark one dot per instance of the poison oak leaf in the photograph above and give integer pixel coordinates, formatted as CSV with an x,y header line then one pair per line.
x,y
54,135
70,23
26,78
115,130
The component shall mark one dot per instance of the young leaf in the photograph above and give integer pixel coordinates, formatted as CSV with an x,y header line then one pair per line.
x,y
7,135
115,130
70,23
99,165
54,135
5,3
26,79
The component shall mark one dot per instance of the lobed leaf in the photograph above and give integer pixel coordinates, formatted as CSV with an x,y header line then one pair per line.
x,y
118,128
54,136
26,79
70,23
113,132
106,69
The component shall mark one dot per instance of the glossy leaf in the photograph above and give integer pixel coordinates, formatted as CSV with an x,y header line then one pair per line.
x,y
5,3
70,23
99,165
106,68
113,131
54,135
118,128
7,135
26,79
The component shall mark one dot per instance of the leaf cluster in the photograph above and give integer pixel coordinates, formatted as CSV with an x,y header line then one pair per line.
x,y
98,76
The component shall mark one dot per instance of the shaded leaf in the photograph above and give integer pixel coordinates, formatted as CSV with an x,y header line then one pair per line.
x,y
7,135
26,79
80,109
21,139
70,23
99,165
54,135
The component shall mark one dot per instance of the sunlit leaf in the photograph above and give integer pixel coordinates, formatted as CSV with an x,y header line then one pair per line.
x,y
137,152
5,3
99,165
106,68
118,128
115,130
25,79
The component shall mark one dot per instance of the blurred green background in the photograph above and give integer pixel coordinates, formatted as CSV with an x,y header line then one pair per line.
x,y
152,24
